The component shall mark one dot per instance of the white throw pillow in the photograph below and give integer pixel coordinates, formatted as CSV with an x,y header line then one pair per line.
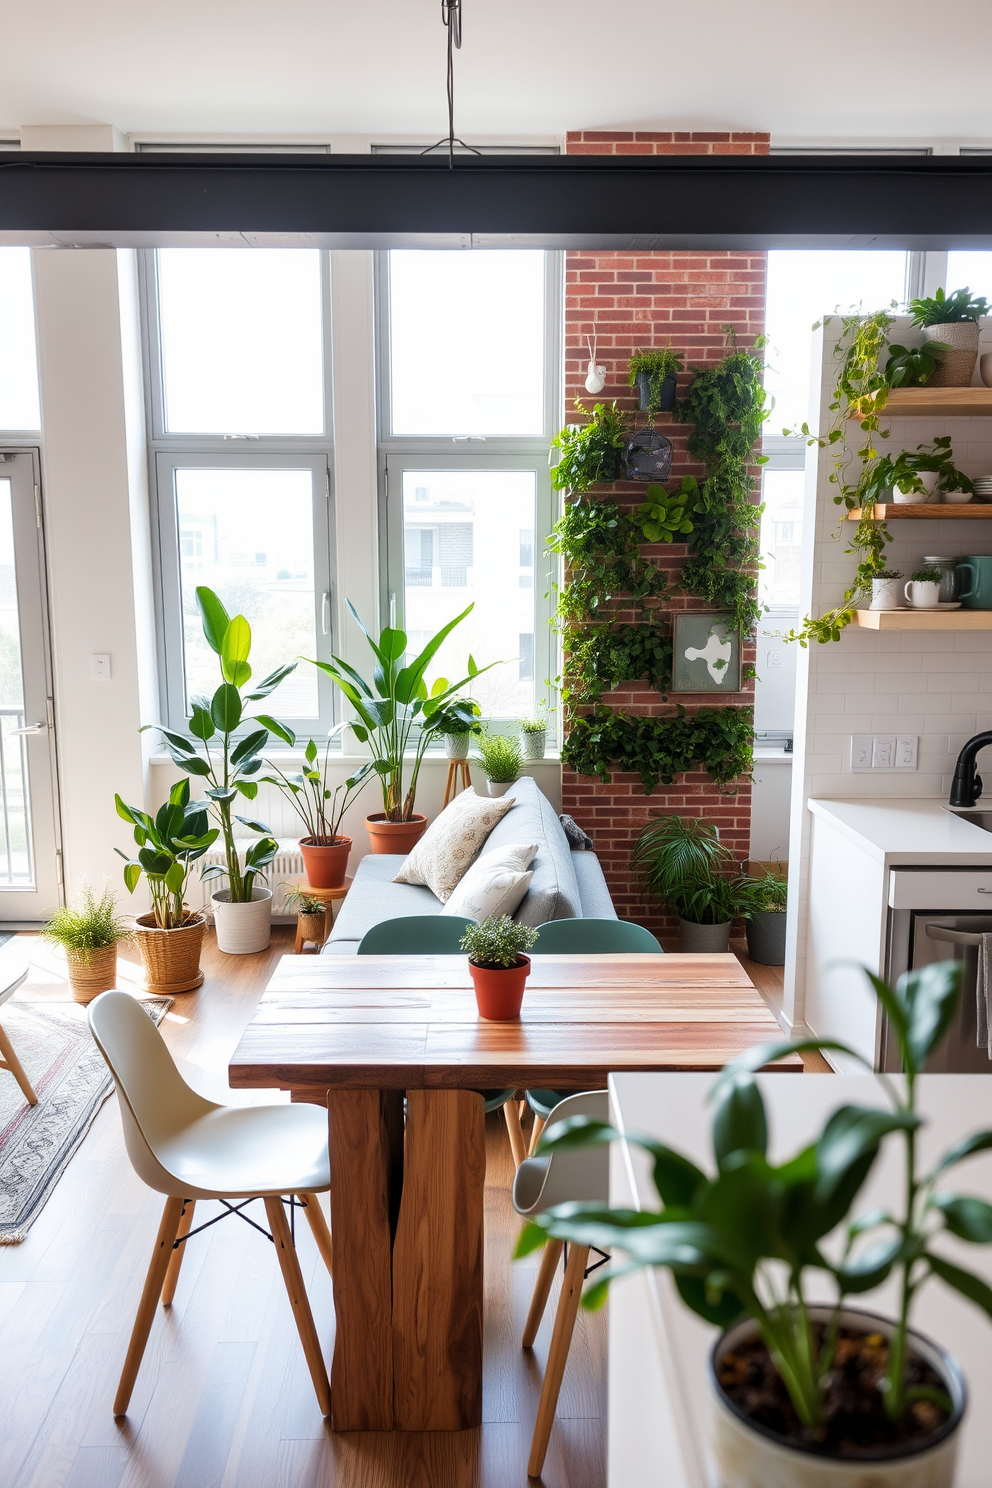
x,y
495,885
452,842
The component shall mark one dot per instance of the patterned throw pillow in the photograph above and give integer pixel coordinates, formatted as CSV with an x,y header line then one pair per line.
x,y
452,842
495,885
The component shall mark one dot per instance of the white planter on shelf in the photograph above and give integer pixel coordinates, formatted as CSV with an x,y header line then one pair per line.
x,y
242,929
533,743
886,594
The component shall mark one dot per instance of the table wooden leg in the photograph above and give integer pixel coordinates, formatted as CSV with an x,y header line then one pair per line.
x,y
362,1130
437,1264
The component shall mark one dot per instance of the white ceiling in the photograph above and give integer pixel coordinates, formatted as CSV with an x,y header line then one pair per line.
x,y
858,69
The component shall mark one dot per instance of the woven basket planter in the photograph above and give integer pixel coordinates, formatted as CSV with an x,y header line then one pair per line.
x,y
92,974
956,366
313,927
171,957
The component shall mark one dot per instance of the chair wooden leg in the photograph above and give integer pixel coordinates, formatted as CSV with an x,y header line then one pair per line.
x,y
298,943
517,1144
319,1227
535,1134
161,1256
293,1277
542,1288
176,1259
561,1338
10,1061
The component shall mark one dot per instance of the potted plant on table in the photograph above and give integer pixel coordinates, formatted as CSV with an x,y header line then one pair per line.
x,y
169,843
320,808
763,904
397,714
534,736
806,1394
499,760
228,762
654,374
89,931
686,866
951,321
498,966
311,923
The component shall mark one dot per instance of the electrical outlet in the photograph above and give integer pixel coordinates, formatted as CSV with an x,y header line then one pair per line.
x,y
100,667
861,751
906,751
883,752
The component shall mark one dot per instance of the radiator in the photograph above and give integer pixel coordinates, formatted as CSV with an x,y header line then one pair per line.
x,y
285,870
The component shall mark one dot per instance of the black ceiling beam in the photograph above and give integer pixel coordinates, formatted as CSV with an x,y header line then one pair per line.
x,y
554,201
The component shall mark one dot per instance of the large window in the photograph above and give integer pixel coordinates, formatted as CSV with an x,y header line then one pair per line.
x,y
239,413
468,370
19,406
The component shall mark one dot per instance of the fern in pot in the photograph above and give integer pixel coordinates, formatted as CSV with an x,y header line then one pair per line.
x,y
688,869
499,759
807,1394
763,905
498,966
89,931
320,807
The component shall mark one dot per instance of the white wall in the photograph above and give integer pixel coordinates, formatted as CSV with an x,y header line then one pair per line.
x,y
937,686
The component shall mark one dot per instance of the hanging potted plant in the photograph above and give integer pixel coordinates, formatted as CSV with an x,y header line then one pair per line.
x,y
951,323
89,932
169,843
325,849
499,760
763,904
398,714
654,375
498,966
229,762
686,866
806,1394
534,736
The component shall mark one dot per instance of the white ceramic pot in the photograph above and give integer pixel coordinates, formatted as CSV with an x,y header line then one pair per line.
x,y
922,595
750,1456
886,594
456,745
533,744
500,787
242,929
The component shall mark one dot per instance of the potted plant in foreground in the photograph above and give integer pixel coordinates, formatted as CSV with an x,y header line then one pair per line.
x,y
811,1395
763,906
228,765
534,736
686,866
169,843
397,714
498,966
89,931
325,849
499,760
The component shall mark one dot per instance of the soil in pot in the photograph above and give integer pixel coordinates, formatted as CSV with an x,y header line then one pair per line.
x,y
394,837
856,1421
92,974
171,958
499,990
766,938
326,862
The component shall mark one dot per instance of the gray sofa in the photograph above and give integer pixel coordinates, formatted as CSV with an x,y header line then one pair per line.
x,y
566,885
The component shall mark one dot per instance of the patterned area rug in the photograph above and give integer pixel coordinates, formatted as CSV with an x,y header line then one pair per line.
x,y
54,1044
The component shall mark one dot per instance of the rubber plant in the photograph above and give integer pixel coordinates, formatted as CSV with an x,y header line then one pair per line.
x,y
219,752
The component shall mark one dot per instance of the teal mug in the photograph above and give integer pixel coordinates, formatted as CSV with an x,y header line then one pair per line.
x,y
976,582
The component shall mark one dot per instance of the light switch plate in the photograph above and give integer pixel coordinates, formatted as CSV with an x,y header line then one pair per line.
x,y
906,751
100,667
883,752
861,745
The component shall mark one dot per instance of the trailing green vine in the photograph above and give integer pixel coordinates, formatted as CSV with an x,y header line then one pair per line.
x,y
717,740
602,657
600,548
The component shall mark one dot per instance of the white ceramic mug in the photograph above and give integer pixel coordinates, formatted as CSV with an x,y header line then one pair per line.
x,y
922,594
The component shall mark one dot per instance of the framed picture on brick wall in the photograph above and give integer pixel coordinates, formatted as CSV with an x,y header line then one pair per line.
x,y
706,653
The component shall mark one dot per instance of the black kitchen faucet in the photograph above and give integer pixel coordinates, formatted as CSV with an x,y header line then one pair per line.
x,y
966,787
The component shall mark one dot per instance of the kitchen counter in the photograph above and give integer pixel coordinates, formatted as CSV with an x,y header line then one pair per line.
x,y
917,831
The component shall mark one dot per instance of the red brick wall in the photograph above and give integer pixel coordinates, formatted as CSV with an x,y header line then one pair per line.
x,y
629,301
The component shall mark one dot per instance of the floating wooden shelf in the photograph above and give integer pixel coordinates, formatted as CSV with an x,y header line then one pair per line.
x,y
926,511
924,402
924,619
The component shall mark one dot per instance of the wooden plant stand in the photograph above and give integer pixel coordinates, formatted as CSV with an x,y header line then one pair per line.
x,y
452,787
328,897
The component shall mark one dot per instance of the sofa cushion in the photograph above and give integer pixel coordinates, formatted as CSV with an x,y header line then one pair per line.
x,y
373,896
453,841
494,885
594,895
553,892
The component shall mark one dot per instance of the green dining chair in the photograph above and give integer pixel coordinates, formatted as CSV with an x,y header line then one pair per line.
x,y
440,935
580,937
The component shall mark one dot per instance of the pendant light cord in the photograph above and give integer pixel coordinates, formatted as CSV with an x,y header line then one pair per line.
x,y
451,15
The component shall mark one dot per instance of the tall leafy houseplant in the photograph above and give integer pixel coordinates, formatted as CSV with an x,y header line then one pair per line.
x,y
743,1241
320,808
397,714
229,762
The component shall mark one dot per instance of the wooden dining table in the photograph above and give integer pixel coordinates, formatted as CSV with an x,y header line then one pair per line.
x,y
394,1046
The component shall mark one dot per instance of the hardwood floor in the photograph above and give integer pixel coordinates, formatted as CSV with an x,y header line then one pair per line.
x,y
223,1399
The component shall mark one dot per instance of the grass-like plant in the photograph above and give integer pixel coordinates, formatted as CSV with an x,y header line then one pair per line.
x,y
499,758
88,924
536,725
300,902
767,894
497,942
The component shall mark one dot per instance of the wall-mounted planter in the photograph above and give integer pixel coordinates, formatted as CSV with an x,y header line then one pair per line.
x,y
666,399
648,456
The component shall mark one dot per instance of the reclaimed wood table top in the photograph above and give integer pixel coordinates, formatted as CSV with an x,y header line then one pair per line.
x,y
410,1022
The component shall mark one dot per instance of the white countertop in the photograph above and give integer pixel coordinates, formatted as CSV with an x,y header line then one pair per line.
x,y
914,830
658,1396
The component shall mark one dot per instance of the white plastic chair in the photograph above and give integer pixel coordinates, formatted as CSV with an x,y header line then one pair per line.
x,y
190,1148
582,1176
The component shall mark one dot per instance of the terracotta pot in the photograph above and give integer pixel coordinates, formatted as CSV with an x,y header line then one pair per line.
x,y
394,837
326,862
92,974
242,929
956,366
171,958
748,1454
499,991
